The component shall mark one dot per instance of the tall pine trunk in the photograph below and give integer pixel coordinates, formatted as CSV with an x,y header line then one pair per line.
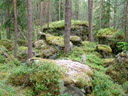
x,y
67,26
41,15
48,15
115,8
15,28
90,6
29,11
126,14
59,10
100,17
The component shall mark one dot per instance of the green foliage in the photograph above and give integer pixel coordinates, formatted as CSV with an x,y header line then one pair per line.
x,y
43,79
6,90
103,86
123,45
125,87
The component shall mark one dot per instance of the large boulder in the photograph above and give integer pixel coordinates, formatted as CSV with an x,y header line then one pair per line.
x,y
76,79
78,28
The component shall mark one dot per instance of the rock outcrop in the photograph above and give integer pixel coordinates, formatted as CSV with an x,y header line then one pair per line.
x,y
78,28
76,80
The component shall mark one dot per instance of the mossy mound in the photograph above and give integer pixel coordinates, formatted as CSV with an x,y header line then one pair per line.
x,y
76,40
7,44
78,28
105,50
55,40
42,80
108,61
111,37
109,33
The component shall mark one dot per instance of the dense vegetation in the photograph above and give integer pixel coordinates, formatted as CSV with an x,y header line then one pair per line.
x,y
88,34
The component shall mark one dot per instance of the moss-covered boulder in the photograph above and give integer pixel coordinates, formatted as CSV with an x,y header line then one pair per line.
x,y
55,40
75,72
40,44
105,50
76,40
108,62
110,36
78,28
50,52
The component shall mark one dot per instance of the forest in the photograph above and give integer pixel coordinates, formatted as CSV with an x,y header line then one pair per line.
x,y
63,47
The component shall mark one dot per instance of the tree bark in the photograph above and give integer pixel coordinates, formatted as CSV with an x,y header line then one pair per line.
x,y
15,28
126,21
115,8
100,17
41,15
8,29
29,11
67,26
48,15
90,6
59,10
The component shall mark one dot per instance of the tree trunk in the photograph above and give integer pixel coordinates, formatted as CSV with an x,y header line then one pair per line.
x,y
67,26
29,11
115,8
59,10
79,16
100,17
90,6
126,21
8,29
41,15
15,28
48,15
108,13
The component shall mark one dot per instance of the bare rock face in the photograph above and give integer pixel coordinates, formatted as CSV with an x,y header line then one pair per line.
x,y
76,78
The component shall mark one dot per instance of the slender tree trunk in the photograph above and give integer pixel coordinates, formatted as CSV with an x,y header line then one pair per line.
x,y
59,10
8,29
115,8
67,26
108,13
41,15
100,17
29,9
79,16
48,15
90,6
15,28
126,21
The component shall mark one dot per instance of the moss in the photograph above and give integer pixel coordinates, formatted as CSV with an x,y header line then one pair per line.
x,y
22,53
7,44
108,61
75,39
118,72
55,40
61,24
106,33
43,79
104,48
